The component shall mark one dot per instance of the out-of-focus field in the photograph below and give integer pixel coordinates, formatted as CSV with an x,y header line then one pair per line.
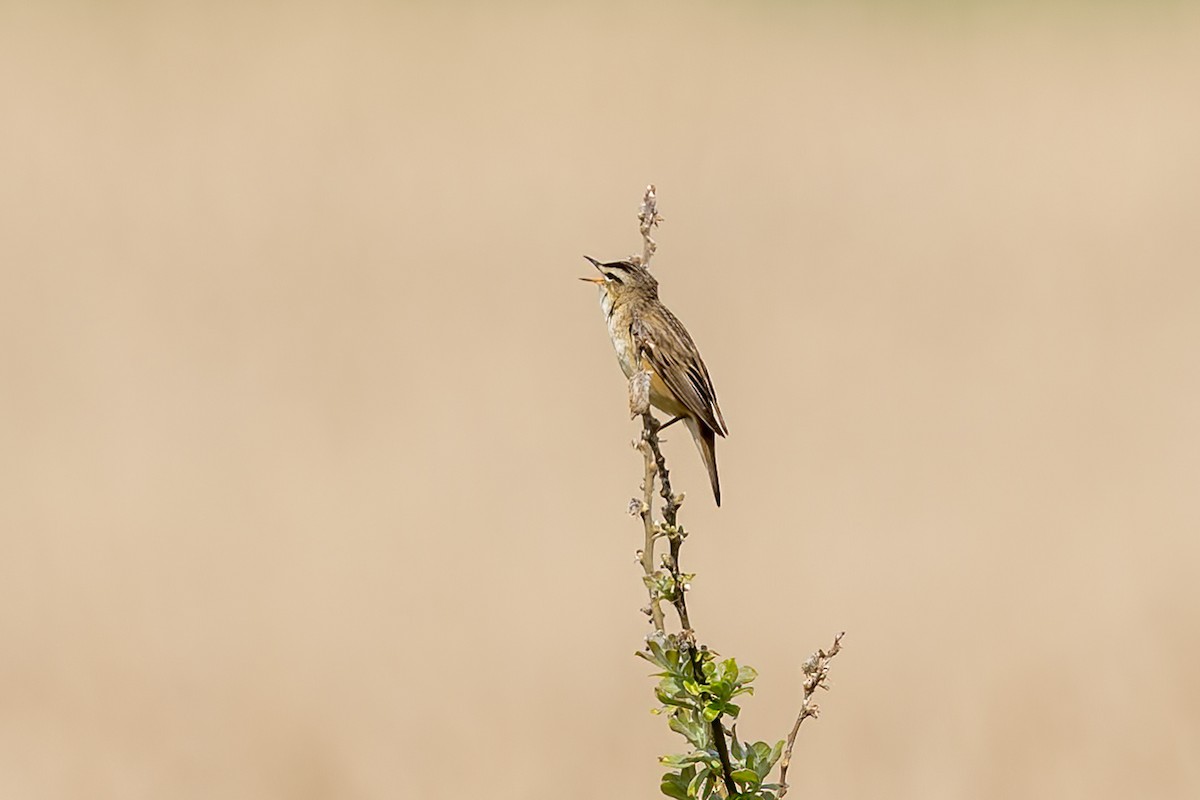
x,y
314,454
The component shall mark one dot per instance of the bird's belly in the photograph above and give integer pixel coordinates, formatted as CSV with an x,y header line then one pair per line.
x,y
661,397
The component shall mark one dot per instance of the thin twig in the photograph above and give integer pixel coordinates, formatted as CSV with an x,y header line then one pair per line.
x,y
645,509
656,469
675,535
647,218
671,504
816,670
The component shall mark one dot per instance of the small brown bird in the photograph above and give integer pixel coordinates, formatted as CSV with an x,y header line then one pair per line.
x,y
679,382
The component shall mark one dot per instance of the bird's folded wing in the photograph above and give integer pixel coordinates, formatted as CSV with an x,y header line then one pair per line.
x,y
675,358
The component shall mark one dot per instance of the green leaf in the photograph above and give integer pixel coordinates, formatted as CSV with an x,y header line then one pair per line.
x,y
735,747
680,701
675,784
696,734
692,687
746,674
776,752
748,777
720,689
683,759
711,712
760,757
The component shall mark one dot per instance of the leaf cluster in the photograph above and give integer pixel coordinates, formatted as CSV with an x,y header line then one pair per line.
x,y
696,691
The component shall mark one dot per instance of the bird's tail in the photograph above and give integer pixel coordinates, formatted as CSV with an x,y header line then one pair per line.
x,y
706,443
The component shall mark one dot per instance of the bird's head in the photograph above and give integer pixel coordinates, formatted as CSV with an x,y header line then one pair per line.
x,y
621,279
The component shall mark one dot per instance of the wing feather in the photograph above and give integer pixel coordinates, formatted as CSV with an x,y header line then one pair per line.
x,y
676,359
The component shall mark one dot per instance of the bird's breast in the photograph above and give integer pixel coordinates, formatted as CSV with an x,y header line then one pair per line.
x,y
618,330
619,320
623,344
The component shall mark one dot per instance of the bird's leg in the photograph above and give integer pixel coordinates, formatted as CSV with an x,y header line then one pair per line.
x,y
669,423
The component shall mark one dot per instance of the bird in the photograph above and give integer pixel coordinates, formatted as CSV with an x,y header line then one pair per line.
x,y
642,329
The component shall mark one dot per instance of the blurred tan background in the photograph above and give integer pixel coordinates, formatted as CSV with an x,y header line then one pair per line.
x,y
314,454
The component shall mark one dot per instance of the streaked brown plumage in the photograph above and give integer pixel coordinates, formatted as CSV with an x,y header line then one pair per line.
x,y
679,381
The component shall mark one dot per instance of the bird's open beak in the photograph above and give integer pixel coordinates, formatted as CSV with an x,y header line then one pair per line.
x,y
595,264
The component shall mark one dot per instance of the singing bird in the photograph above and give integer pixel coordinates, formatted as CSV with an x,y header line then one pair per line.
x,y
679,382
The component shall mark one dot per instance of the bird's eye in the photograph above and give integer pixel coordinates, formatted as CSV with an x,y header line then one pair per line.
x,y
612,276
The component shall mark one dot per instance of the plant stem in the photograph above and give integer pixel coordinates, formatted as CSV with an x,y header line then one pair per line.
x,y
656,467
646,512
816,670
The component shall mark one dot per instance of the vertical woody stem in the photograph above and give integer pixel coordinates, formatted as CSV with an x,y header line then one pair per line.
x,y
646,512
656,466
